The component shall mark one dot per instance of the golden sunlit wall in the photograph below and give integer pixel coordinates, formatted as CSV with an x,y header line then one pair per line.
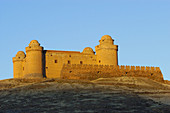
x,y
56,59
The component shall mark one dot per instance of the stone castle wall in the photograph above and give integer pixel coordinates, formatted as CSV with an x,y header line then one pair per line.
x,y
91,72
54,61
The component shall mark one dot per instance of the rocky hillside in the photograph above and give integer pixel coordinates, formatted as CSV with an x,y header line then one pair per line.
x,y
118,94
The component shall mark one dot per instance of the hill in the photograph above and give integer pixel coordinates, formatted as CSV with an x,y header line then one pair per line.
x,y
118,94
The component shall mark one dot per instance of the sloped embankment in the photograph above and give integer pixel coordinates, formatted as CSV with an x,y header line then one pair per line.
x,y
103,95
144,87
133,82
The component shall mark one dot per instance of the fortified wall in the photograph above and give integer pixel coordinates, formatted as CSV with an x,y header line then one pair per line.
x,y
91,72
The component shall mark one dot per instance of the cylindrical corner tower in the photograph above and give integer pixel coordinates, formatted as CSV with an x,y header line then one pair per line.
x,y
18,68
106,51
34,60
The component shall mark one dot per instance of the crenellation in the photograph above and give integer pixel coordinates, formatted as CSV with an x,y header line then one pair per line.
x,y
158,69
128,68
152,69
122,68
148,68
74,65
133,68
143,68
106,67
95,66
101,66
112,66
138,68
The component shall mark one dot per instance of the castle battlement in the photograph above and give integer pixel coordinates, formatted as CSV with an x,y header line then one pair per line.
x,y
118,68
88,71
39,63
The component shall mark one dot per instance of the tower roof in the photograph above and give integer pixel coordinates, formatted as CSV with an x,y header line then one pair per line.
x,y
106,37
88,50
20,55
34,43
106,40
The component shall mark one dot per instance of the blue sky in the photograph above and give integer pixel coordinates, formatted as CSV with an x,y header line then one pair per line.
x,y
141,28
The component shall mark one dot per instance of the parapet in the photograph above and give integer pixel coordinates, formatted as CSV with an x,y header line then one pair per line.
x,y
100,71
120,68
139,68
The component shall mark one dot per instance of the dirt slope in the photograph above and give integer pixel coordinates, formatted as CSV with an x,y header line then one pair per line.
x,y
120,95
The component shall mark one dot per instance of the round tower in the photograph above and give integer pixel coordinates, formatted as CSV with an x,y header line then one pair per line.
x,y
18,68
106,51
34,64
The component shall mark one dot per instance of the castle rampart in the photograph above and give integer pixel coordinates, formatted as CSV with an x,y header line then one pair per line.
x,y
90,72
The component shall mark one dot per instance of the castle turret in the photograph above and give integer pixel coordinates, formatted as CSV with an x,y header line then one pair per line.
x,y
106,51
34,64
18,67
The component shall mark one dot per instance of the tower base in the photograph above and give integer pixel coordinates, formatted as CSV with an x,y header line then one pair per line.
x,y
33,76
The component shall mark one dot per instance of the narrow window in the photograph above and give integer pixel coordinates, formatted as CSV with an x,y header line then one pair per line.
x,y
81,62
55,61
23,68
99,61
69,62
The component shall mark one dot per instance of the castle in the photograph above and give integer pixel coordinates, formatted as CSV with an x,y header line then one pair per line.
x,y
40,63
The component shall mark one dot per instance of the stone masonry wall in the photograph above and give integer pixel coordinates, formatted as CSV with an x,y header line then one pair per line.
x,y
91,72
